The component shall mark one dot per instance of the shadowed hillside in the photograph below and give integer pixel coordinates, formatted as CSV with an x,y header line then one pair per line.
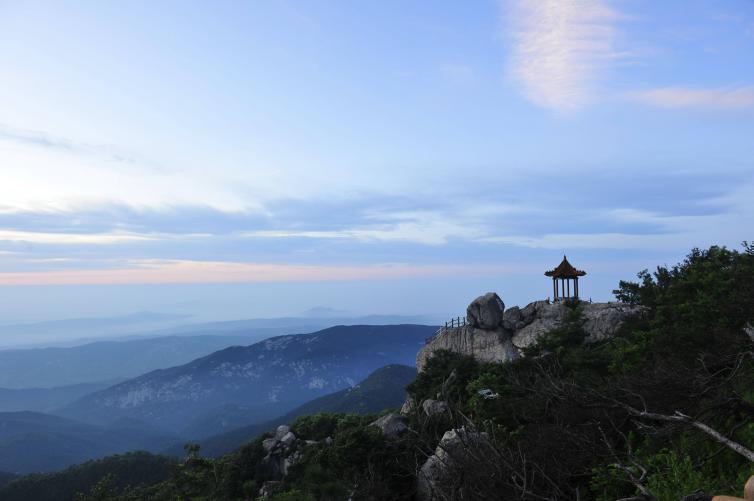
x,y
385,388
268,378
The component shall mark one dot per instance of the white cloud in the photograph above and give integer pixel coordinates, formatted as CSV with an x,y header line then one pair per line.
x,y
421,227
730,98
672,232
188,271
37,175
559,48
72,238
565,241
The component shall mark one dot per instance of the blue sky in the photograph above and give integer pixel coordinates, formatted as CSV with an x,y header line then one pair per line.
x,y
237,159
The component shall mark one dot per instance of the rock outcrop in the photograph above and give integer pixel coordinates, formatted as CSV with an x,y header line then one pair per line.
x,y
486,312
279,451
408,407
435,407
494,334
392,425
440,473
486,345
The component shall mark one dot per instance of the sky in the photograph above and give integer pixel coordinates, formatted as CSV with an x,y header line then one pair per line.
x,y
246,159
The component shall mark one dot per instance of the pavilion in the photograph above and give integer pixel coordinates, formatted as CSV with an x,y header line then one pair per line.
x,y
565,273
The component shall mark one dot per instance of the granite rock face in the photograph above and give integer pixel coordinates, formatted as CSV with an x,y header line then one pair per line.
x,y
435,407
603,320
537,318
485,345
441,472
392,425
486,312
508,332
408,407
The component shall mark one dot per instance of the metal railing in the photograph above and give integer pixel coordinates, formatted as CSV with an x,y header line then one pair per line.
x,y
456,322
453,323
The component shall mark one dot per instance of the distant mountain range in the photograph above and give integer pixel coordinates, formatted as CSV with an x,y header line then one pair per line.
x,y
104,360
266,379
383,389
46,399
35,442
312,320
55,331
131,356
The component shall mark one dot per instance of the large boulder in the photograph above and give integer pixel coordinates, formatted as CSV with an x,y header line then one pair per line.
x,y
282,431
440,476
288,439
277,448
392,425
408,407
486,312
512,319
435,407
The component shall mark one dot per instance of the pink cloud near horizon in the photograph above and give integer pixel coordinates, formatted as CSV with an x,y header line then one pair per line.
x,y
198,272
702,98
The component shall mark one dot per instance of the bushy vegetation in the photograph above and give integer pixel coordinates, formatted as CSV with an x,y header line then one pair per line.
x,y
114,474
628,417
577,420
355,460
6,477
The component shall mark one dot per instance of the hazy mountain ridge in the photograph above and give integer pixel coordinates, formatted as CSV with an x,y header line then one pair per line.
x,y
103,360
52,330
129,356
269,377
35,442
46,399
382,389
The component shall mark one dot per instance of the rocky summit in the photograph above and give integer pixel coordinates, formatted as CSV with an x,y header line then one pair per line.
x,y
495,334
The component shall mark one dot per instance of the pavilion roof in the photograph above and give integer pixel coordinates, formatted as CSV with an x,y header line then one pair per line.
x,y
565,270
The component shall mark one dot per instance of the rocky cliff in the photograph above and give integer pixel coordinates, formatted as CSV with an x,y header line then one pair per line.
x,y
496,334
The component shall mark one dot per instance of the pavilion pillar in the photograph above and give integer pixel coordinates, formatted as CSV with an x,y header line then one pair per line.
x,y
576,287
568,288
555,289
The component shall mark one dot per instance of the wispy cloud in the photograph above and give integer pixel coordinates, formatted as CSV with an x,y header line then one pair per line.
x,y
35,138
421,227
729,98
72,238
565,241
45,140
674,231
560,47
185,272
